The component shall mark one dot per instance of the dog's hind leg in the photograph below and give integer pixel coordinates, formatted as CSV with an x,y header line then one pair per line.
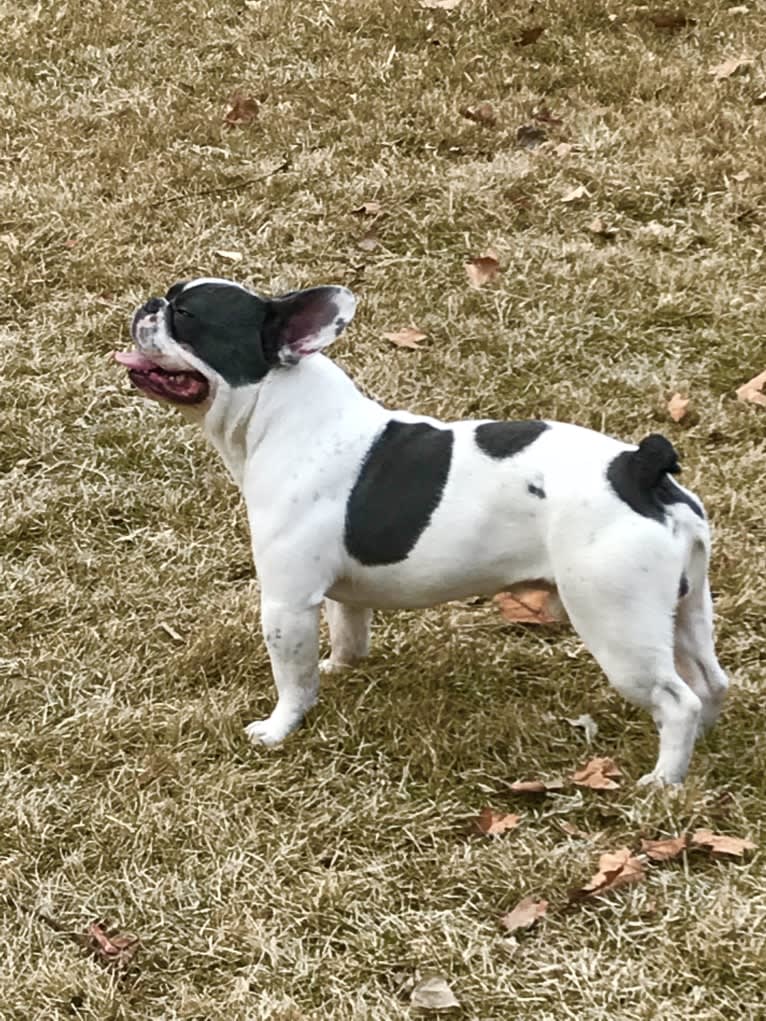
x,y
349,635
629,630
695,656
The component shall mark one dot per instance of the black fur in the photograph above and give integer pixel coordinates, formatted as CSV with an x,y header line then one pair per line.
x,y
399,486
505,439
640,478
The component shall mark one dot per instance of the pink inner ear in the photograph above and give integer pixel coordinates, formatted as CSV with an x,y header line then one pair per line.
x,y
304,328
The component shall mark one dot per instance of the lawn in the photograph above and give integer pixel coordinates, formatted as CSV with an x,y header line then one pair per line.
x,y
322,879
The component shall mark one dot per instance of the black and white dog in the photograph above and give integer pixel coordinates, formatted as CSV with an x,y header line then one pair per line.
x,y
361,507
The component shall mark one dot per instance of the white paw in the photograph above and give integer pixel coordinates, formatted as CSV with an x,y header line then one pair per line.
x,y
269,731
657,779
330,666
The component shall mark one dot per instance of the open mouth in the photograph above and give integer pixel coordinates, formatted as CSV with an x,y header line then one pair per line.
x,y
184,386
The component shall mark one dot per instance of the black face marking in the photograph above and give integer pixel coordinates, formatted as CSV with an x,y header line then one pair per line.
x,y
340,325
400,485
506,439
222,325
640,478
683,587
537,491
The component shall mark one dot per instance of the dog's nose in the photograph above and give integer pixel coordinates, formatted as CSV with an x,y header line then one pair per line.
x,y
153,305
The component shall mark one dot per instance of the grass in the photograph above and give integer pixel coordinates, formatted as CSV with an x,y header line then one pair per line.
x,y
318,880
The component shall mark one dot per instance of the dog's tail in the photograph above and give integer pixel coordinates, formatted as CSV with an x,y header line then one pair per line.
x,y
654,458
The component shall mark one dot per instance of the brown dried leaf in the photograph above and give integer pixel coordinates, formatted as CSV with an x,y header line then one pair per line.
x,y
371,208
527,606
115,949
408,336
678,406
575,194
492,824
368,243
524,915
529,35
598,774
573,831
664,850
433,994
599,227
729,67
482,269
228,254
671,20
563,149
536,786
242,109
482,113
615,869
753,390
720,844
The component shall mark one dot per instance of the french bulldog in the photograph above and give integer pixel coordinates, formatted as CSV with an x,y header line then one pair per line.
x,y
360,508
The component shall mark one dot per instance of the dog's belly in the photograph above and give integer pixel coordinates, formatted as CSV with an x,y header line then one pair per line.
x,y
419,582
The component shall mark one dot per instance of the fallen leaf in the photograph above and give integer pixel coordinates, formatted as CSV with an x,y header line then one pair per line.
x,y
615,869
598,774
242,109
575,194
482,269
729,67
409,337
753,390
664,850
71,243
529,35
368,243
482,113
742,175
599,227
720,844
563,149
536,786
440,5
524,915
371,208
678,406
228,254
529,136
589,726
113,948
671,20
527,606
573,831
433,994
492,824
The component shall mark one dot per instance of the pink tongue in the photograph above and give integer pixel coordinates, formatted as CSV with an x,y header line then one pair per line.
x,y
134,360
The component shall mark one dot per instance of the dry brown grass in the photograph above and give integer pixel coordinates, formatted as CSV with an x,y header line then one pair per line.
x,y
313,881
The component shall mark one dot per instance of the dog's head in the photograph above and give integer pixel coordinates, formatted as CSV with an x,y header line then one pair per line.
x,y
207,334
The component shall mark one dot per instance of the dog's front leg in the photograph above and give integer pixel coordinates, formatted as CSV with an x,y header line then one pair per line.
x,y
349,635
292,638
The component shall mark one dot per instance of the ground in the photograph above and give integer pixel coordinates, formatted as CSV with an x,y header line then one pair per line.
x,y
319,880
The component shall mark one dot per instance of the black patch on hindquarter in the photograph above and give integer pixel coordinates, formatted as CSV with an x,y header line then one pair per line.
x,y
506,439
641,479
399,486
223,325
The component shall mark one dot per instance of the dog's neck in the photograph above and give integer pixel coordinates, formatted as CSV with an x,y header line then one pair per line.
x,y
295,400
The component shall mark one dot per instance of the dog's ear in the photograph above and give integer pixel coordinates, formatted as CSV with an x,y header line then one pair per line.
x,y
302,322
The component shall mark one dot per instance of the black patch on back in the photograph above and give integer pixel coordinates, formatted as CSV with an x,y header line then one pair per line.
x,y
400,485
640,479
223,326
506,439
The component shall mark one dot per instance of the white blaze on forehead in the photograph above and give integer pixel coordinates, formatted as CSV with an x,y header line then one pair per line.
x,y
214,280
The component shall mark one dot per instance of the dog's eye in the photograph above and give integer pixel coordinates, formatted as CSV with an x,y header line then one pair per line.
x,y
181,311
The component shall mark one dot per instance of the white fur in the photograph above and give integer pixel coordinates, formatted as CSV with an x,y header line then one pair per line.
x,y
294,444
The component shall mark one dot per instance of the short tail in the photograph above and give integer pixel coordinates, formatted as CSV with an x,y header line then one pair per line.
x,y
654,458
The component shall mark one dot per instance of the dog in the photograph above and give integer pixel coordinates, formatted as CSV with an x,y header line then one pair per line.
x,y
360,508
